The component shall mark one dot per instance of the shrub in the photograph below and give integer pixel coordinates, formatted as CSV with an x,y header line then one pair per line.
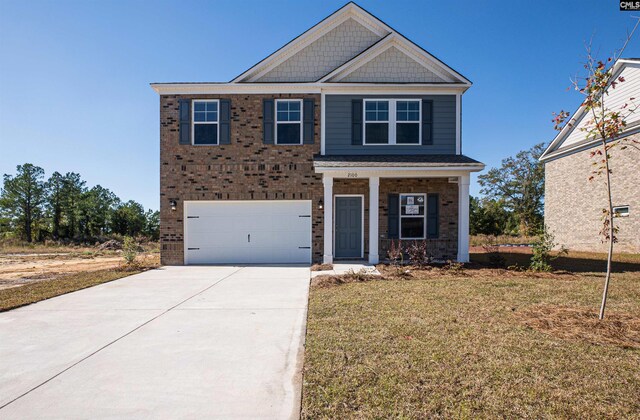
x,y
541,260
417,252
357,276
395,253
454,267
130,250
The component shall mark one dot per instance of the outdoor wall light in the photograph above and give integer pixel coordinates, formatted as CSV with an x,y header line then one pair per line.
x,y
320,204
173,204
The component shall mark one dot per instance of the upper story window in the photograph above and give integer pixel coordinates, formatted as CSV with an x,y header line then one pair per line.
x,y
289,121
392,121
408,122
376,126
205,122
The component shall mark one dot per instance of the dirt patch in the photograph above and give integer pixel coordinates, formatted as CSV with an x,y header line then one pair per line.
x,y
578,323
17,270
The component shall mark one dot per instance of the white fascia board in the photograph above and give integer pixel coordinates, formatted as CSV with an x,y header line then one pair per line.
x,y
583,145
577,116
397,171
300,88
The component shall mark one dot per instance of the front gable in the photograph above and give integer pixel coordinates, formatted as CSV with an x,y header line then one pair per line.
x,y
337,46
351,46
393,66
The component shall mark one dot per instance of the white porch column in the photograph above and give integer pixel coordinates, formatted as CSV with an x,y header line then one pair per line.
x,y
374,184
463,218
328,219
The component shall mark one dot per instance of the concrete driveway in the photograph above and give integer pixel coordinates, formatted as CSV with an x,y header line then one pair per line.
x,y
177,342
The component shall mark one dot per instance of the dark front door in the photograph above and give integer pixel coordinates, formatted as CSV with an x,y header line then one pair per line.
x,y
348,227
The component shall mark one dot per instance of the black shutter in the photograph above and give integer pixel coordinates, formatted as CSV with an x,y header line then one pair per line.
x,y
433,221
308,112
267,121
393,216
356,122
427,122
185,121
225,121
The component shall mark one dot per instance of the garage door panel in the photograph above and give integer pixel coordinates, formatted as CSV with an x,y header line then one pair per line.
x,y
247,232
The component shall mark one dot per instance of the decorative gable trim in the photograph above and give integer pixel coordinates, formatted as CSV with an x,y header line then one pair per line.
x,y
349,11
395,40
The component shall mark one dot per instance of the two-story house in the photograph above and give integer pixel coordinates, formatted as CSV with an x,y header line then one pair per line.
x,y
341,141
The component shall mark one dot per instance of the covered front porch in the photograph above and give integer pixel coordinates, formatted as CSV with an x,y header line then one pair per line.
x,y
370,201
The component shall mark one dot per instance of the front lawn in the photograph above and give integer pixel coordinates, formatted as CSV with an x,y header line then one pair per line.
x,y
481,343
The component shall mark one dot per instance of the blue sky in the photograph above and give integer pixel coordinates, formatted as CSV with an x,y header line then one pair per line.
x,y
74,75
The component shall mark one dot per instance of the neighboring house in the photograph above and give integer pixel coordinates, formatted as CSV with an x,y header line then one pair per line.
x,y
573,205
342,140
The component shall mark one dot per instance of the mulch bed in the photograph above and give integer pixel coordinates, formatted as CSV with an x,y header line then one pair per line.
x,y
579,323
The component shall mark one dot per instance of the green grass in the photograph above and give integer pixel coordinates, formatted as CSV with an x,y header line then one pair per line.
x,y
441,345
15,297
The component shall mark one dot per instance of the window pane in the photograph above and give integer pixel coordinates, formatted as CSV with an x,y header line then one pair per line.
x,y
205,134
412,205
377,111
288,133
407,133
407,111
412,227
198,106
377,133
212,116
288,111
199,116
212,106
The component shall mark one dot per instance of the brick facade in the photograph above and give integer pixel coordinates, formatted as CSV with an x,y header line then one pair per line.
x,y
247,169
573,204
446,246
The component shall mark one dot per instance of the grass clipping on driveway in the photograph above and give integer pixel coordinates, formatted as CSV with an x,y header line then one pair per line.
x,y
486,343
15,297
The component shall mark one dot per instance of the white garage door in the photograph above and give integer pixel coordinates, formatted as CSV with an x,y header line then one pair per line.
x,y
247,232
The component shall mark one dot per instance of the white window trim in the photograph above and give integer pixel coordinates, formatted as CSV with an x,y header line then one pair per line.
x,y
193,122
392,121
626,214
424,216
275,126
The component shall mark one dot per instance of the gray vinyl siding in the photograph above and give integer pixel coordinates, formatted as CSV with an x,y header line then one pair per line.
x,y
338,127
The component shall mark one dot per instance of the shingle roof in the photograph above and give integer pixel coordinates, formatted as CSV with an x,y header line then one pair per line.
x,y
331,161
